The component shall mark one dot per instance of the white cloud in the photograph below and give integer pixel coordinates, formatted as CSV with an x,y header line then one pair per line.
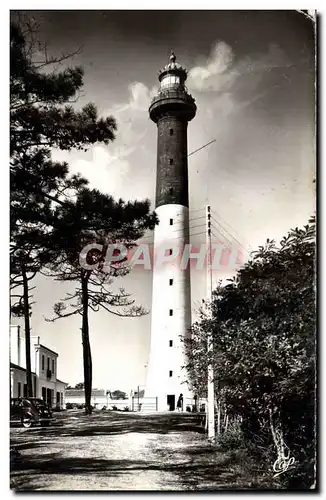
x,y
212,74
140,97
234,82
104,169
132,119
108,167
222,70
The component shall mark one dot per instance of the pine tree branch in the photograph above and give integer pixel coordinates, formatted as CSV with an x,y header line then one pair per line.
x,y
56,60
12,287
94,308
60,316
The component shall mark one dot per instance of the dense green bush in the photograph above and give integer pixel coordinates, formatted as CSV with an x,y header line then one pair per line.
x,y
262,325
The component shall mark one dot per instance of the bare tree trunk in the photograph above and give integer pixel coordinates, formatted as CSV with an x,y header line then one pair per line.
x,y
226,423
87,356
27,333
278,437
218,429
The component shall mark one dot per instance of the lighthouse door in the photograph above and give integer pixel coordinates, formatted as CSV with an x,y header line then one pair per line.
x,y
171,401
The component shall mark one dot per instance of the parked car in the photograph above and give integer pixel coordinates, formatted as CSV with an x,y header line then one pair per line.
x,y
29,411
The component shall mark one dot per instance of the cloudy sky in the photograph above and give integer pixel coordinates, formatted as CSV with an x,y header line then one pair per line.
x,y
252,75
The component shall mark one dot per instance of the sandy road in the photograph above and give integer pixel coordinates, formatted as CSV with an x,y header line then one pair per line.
x,y
115,451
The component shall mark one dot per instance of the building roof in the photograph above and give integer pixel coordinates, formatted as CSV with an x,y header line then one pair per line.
x,y
173,68
17,367
66,383
46,348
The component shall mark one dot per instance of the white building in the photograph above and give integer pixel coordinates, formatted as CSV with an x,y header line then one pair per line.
x,y
46,385
99,397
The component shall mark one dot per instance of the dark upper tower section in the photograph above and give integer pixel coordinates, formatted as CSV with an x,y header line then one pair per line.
x,y
171,110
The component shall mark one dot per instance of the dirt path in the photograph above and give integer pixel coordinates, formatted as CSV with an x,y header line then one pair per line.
x,y
116,451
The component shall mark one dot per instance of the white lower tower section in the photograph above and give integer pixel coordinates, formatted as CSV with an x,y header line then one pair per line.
x,y
171,309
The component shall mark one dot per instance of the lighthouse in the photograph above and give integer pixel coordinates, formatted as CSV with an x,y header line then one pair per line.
x,y
171,110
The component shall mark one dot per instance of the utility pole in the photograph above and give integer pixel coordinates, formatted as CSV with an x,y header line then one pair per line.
x,y
210,378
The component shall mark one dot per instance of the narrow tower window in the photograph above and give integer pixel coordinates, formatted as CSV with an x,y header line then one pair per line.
x,y
171,222
170,343
170,373
171,190
171,161
171,281
171,312
171,131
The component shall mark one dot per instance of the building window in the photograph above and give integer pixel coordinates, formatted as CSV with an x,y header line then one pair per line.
x,y
170,373
171,161
170,281
171,131
171,191
25,390
171,312
42,362
19,389
48,363
171,222
52,365
170,343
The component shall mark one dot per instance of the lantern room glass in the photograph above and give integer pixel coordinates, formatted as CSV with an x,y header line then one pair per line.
x,y
170,81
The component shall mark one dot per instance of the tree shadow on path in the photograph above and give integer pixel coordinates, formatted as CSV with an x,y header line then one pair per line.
x,y
187,475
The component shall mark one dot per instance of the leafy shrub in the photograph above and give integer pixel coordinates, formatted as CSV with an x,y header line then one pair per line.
x,y
232,439
263,328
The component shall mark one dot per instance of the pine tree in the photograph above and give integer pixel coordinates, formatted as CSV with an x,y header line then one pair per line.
x,y
96,218
42,117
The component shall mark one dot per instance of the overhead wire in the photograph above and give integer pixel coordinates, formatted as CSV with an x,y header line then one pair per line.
x,y
220,232
233,237
190,220
198,209
181,236
192,227
220,236
213,234
202,147
227,223
196,234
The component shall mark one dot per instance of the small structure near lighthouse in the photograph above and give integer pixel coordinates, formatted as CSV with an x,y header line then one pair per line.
x,y
171,110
